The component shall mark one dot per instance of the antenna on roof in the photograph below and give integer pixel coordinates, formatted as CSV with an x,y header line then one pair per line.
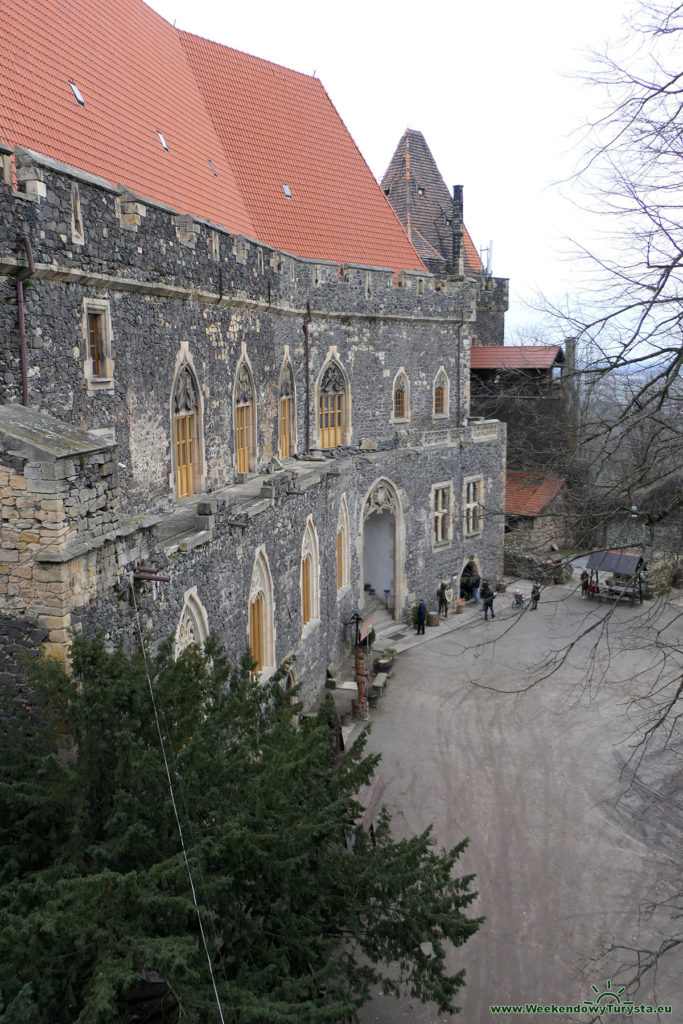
x,y
489,258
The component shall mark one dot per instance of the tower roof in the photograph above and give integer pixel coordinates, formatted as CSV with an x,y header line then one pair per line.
x,y
194,125
416,190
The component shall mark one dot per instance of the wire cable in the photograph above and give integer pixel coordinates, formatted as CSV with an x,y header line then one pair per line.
x,y
175,808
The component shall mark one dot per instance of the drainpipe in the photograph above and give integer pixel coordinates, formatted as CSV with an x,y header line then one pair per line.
x,y
307,319
458,373
23,275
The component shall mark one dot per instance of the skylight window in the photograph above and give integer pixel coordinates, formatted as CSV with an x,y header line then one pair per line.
x,y
77,93
213,169
162,140
287,191
420,190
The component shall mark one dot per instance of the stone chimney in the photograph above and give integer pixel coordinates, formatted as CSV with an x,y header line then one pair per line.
x,y
458,232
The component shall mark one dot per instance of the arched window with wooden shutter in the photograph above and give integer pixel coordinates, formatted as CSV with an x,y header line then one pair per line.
x,y
245,420
186,428
261,615
401,397
333,407
287,414
441,394
343,549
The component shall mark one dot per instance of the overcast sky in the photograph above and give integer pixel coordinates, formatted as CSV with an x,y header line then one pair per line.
x,y
492,86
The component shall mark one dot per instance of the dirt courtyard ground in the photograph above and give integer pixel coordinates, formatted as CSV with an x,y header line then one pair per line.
x,y
567,854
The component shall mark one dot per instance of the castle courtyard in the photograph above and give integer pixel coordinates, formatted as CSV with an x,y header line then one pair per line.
x,y
568,850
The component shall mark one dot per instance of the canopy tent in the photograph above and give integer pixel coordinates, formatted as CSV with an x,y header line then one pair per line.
x,y
620,563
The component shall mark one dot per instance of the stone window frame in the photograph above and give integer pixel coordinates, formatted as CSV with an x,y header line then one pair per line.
x,y
262,586
441,380
184,362
441,534
244,372
287,380
472,505
193,624
104,380
310,551
332,360
343,548
401,378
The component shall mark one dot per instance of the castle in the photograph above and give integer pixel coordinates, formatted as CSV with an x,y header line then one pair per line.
x,y
235,394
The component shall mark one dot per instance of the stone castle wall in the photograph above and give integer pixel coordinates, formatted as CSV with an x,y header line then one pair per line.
x,y
180,291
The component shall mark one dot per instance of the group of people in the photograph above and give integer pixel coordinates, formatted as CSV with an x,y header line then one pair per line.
x,y
482,592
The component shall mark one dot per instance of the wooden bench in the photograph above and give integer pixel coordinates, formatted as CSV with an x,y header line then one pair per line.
x,y
379,682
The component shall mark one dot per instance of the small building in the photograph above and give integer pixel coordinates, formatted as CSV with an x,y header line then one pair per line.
x,y
534,509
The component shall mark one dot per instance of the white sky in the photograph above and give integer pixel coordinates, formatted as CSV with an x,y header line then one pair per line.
x,y
489,85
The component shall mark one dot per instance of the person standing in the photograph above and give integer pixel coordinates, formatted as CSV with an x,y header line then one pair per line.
x,y
535,594
441,595
421,616
488,598
476,583
448,594
584,584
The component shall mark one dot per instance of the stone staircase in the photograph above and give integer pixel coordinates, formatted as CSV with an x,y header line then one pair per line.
x,y
387,630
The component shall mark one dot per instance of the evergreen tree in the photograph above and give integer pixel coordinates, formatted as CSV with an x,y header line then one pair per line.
x,y
296,912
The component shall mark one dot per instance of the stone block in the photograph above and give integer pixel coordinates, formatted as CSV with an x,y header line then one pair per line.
x,y
55,651
55,621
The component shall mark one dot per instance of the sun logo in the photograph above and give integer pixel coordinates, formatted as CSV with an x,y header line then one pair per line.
x,y
608,994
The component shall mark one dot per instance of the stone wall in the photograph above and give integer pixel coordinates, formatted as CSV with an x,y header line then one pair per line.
x,y
180,292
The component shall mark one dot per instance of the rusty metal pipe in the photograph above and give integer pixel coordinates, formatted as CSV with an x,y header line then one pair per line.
x,y
307,367
23,275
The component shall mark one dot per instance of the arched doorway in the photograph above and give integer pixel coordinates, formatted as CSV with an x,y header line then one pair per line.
x,y
383,544
468,574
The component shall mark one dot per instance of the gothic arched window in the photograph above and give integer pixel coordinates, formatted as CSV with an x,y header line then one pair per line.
x,y
193,626
287,412
310,591
245,420
261,614
186,432
343,551
333,409
441,393
401,403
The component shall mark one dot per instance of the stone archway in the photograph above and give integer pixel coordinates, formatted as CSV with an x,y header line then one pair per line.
x,y
383,544
469,571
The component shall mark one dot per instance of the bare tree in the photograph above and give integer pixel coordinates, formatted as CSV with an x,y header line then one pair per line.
x,y
628,393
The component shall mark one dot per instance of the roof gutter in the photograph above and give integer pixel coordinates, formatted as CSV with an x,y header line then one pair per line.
x,y
23,275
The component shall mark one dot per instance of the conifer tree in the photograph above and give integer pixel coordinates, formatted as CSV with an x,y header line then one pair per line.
x,y
301,910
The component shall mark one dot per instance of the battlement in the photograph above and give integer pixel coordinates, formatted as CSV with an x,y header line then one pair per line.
x,y
81,225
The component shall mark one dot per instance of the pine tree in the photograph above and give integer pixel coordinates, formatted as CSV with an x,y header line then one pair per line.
x,y
301,910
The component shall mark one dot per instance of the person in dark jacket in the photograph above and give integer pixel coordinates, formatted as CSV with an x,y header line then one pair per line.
x,y
535,594
488,598
443,603
421,616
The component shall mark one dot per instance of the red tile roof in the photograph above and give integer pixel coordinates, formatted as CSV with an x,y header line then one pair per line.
x,y
515,357
527,494
130,67
280,127
260,125
424,215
